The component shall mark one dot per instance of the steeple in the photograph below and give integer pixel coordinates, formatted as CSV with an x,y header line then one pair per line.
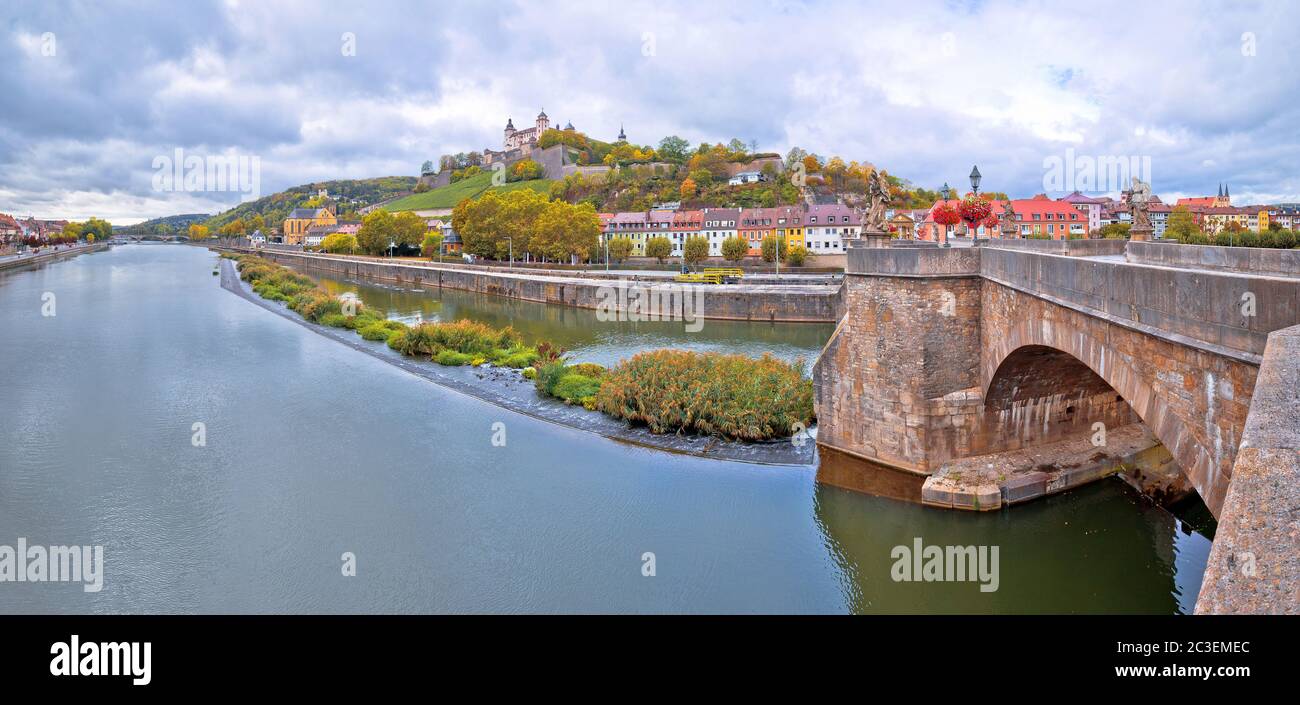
x,y
621,137
1220,189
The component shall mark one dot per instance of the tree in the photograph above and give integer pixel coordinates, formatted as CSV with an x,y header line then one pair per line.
x,y
658,247
376,232
339,243
673,149
734,249
525,170
432,246
1181,224
687,189
798,254
198,232
409,229
696,250
563,231
426,167
101,229
774,246
620,248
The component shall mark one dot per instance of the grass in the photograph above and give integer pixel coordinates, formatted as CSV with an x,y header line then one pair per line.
x,y
451,194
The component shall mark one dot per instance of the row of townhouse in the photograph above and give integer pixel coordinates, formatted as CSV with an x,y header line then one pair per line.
x,y
1037,216
822,229
13,229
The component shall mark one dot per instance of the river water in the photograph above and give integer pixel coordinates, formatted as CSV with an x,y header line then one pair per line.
x,y
312,450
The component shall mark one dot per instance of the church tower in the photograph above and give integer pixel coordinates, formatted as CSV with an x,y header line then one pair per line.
x,y
621,137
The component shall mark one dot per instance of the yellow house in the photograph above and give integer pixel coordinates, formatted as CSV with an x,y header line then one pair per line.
x,y
297,223
1263,220
789,225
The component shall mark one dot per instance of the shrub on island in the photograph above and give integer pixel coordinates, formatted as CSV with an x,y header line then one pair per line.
x,y
732,396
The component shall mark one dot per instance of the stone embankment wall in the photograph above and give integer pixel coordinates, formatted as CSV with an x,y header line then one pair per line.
x,y
51,255
775,303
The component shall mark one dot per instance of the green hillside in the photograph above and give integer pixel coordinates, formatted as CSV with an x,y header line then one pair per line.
x,y
351,194
167,225
451,194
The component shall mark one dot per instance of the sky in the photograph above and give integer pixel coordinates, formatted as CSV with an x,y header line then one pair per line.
x,y
97,96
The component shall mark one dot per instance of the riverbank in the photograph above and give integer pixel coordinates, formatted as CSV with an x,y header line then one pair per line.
x,y
778,303
508,389
15,261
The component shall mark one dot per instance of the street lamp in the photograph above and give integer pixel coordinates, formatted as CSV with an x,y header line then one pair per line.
x,y
946,191
975,179
511,242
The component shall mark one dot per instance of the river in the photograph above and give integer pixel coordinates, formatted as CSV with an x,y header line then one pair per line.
x,y
312,450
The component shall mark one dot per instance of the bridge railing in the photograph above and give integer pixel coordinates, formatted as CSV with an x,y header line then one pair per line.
x,y
1254,564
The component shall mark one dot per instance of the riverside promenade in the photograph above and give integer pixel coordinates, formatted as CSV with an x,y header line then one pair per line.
x,y
47,255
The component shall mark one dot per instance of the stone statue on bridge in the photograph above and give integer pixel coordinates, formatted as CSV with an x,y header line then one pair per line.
x,y
1139,195
1007,221
878,198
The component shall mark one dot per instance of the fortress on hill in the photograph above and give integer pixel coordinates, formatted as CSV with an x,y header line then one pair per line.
x,y
557,161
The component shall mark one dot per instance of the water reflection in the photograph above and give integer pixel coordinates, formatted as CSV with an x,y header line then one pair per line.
x,y
579,330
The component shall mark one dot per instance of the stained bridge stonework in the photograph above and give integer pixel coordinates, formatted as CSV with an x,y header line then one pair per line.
x,y
1195,402
951,353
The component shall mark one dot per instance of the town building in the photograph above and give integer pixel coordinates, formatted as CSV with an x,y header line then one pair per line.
x,y
828,227
1088,205
300,220
718,225
754,225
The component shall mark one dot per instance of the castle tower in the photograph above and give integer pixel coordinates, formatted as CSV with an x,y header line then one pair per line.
x,y
543,122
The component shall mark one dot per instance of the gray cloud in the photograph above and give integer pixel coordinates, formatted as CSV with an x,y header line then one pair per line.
x,y
921,87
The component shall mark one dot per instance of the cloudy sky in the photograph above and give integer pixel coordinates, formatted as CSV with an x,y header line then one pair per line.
x,y
93,92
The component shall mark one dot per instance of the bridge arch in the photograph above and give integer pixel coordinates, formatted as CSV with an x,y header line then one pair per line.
x,y
1014,355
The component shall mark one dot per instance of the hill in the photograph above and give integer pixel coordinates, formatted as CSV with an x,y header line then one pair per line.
x,y
451,194
351,195
166,225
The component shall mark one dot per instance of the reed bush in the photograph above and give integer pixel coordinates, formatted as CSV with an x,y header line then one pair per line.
x,y
732,396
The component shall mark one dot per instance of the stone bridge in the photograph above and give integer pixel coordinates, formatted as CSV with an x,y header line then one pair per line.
x,y
952,353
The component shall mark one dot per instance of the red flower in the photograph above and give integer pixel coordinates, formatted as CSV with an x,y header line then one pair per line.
x,y
975,209
945,214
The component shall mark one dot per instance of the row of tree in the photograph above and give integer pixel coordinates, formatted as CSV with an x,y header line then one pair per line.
x,y
696,249
526,224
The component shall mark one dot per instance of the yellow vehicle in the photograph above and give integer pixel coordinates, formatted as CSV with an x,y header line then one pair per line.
x,y
726,272
699,278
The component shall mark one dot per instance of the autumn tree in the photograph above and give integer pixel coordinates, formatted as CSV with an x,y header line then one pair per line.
x,y
198,232
734,249
774,246
620,248
658,247
339,243
687,189
695,250
409,229
797,255
376,232
432,245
